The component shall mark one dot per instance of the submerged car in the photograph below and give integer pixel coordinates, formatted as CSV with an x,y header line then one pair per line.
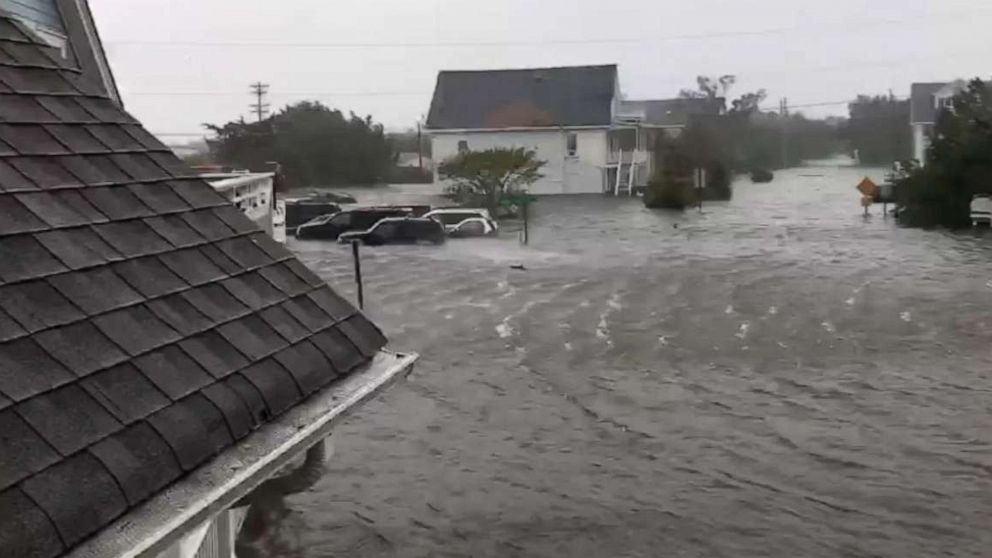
x,y
401,230
452,218
329,227
981,210
299,212
475,226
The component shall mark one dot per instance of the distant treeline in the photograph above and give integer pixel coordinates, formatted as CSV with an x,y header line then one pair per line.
x,y
314,144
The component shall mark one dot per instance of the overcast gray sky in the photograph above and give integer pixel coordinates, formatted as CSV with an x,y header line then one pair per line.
x,y
180,63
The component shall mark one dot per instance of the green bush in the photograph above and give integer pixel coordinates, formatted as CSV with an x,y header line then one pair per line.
x,y
668,192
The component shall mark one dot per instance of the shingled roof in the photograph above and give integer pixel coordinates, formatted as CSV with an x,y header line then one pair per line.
x,y
145,323
539,97
674,112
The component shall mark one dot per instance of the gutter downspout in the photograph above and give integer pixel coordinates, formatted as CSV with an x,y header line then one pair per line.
x,y
266,503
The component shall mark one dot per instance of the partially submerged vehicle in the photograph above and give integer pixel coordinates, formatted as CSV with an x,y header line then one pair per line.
x,y
472,227
398,230
453,217
329,227
981,210
761,176
300,211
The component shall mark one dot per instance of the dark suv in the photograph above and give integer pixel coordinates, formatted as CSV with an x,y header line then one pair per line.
x,y
403,230
330,226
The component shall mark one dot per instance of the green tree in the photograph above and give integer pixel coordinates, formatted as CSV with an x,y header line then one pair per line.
x,y
484,175
315,145
958,164
878,129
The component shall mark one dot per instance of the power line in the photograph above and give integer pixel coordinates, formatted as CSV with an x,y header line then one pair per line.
x,y
279,94
847,26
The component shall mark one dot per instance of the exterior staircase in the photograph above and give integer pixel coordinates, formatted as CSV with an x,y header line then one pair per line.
x,y
626,172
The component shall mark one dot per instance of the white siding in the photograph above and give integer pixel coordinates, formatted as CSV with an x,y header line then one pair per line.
x,y
581,174
921,140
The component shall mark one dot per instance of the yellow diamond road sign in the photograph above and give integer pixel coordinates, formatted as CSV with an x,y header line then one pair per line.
x,y
867,187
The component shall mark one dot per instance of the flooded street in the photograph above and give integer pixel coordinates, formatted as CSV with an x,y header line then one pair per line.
x,y
776,376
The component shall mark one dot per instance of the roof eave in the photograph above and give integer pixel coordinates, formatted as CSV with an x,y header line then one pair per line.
x,y
518,129
154,526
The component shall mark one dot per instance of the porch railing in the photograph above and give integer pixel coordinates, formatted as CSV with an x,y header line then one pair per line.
x,y
252,193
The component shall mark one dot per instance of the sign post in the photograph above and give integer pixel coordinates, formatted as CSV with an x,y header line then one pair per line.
x,y
868,190
358,273
520,200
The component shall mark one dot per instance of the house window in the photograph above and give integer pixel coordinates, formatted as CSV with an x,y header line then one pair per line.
x,y
572,144
462,146
947,103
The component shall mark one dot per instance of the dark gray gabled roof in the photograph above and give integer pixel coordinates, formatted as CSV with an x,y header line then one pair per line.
x,y
539,97
145,323
922,107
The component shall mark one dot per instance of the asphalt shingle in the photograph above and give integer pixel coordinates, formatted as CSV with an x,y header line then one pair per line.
x,y
81,348
45,172
23,257
96,499
214,353
23,453
216,302
285,280
235,411
69,419
135,329
36,305
180,314
275,384
125,393
78,248
96,290
52,209
309,367
173,372
185,432
116,202
26,530
150,277
140,460
26,369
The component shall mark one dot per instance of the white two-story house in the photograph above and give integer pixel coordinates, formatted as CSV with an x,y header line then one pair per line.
x,y
574,118
926,102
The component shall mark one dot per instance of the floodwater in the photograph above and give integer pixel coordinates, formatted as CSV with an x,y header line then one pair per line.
x,y
776,376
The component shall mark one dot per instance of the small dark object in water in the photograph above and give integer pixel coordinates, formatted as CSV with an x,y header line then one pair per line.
x,y
518,267
762,175
675,226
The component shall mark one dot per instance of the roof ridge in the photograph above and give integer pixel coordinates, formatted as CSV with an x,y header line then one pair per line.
x,y
483,71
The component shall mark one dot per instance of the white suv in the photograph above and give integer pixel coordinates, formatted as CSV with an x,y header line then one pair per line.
x,y
451,218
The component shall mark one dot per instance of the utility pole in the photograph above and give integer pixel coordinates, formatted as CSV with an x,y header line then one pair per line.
x,y
784,112
260,107
420,148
